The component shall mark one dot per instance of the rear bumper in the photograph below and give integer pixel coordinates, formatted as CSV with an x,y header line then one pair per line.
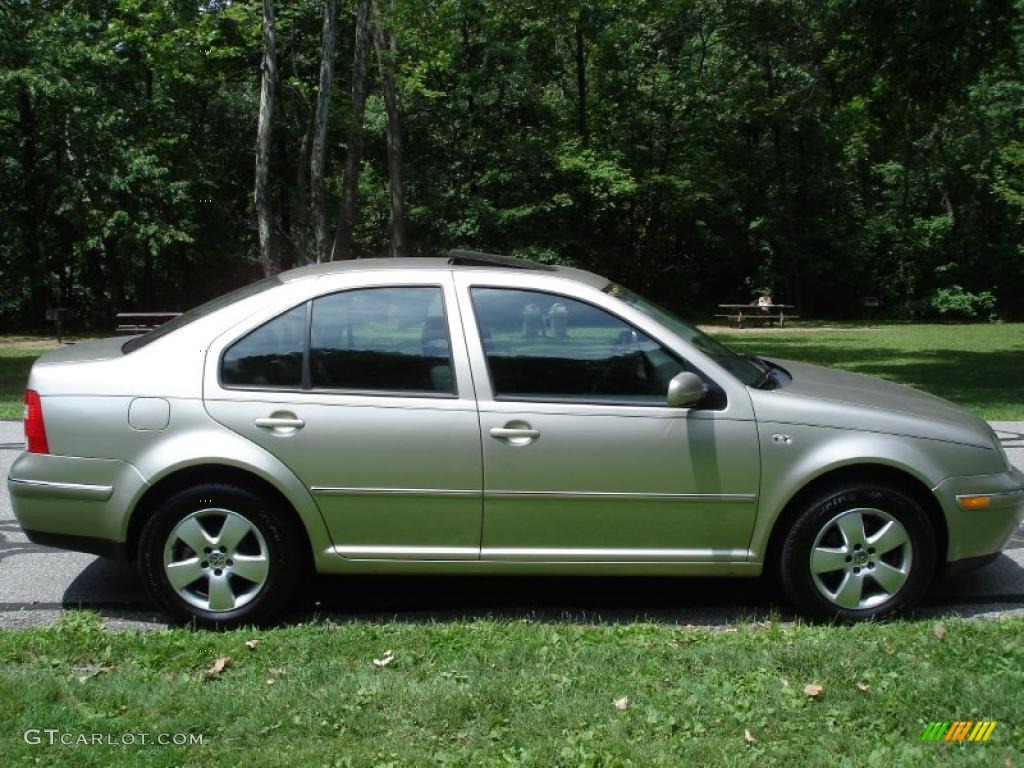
x,y
978,533
74,503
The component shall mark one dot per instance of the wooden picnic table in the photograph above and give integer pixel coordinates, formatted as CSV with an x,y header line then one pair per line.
x,y
764,313
140,322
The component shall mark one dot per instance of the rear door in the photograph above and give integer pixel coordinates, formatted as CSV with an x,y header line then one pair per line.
x,y
376,414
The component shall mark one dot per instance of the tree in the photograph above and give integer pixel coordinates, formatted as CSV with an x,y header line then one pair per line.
x,y
387,52
354,138
581,76
319,155
264,129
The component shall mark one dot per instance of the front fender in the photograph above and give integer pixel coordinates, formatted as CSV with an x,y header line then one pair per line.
x,y
812,452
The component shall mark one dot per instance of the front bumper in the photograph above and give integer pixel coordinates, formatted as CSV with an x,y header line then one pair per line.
x,y
977,533
74,503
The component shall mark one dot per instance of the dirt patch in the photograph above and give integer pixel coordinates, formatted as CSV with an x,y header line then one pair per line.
x,y
786,329
40,343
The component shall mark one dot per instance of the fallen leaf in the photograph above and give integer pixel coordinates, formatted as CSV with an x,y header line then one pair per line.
x,y
92,670
621,703
939,631
213,673
864,686
389,656
812,689
747,735
251,644
785,682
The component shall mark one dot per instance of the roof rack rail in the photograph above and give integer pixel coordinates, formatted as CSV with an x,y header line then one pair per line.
x,y
477,259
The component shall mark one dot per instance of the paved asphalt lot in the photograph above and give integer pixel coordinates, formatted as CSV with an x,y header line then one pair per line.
x,y
36,583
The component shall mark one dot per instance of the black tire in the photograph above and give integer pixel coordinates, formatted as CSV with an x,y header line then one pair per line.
x,y
282,547
797,577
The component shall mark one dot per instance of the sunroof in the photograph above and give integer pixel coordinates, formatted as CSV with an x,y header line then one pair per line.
x,y
478,259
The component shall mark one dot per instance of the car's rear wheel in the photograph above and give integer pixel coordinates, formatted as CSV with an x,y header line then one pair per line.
x,y
220,556
862,550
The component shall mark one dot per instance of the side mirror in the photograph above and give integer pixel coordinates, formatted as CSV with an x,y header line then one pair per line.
x,y
685,389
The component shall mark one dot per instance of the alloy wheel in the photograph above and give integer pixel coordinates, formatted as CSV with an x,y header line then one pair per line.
x,y
861,558
216,559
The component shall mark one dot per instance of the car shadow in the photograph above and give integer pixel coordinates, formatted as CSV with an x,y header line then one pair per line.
x,y
113,589
585,600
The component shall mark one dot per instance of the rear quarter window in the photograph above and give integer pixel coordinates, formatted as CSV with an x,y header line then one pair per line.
x,y
270,356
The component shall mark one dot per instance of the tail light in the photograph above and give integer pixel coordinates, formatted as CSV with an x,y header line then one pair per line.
x,y
35,429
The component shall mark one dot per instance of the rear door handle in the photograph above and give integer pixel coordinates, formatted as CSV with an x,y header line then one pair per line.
x,y
279,422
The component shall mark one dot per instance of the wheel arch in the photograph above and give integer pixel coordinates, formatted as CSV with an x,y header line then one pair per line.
x,y
208,472
905,481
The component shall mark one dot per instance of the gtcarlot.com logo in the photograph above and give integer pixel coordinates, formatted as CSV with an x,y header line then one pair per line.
x,y
959,730
57,737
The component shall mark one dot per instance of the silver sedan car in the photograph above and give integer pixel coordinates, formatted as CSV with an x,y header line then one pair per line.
x,y
482,415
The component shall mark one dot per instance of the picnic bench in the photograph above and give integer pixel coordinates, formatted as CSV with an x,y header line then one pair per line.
x,y
769,314
140,322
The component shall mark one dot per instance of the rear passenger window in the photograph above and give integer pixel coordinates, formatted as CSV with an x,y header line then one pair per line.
x,y
270,356
381,339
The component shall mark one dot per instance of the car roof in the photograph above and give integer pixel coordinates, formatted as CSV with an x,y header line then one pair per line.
x,y
456,261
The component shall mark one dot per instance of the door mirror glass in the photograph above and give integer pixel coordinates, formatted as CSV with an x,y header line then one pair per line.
x,y
685,389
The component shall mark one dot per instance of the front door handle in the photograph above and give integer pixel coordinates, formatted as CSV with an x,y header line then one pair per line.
x,y
514,434
279,422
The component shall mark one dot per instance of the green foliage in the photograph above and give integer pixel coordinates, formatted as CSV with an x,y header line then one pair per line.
x,y
955,302
828,150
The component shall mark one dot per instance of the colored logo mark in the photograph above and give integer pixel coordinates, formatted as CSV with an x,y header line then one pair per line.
x,y
959,730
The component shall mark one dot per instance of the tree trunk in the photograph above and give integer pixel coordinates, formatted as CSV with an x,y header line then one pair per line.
x,y
263,137
280,166
581,82
318,206
31,217
354,140
387,52
300,215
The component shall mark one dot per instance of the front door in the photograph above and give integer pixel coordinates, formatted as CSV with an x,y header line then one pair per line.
x,y
583,459
362,395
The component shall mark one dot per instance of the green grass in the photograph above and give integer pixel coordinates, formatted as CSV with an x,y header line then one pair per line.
x,y
976,366
14,365
496,693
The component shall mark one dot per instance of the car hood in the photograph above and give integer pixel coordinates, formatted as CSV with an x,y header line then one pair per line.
x,y
94,349
829,397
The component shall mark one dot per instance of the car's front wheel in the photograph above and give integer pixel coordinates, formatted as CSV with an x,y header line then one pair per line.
x,y
862,550
220,556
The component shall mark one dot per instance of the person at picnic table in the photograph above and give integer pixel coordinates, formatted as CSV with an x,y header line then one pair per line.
x,y
764,301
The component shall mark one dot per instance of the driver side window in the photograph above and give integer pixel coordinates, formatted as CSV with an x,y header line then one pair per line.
x,y
542,346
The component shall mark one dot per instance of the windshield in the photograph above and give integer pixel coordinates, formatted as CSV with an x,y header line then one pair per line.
x,y
743,368
201,311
